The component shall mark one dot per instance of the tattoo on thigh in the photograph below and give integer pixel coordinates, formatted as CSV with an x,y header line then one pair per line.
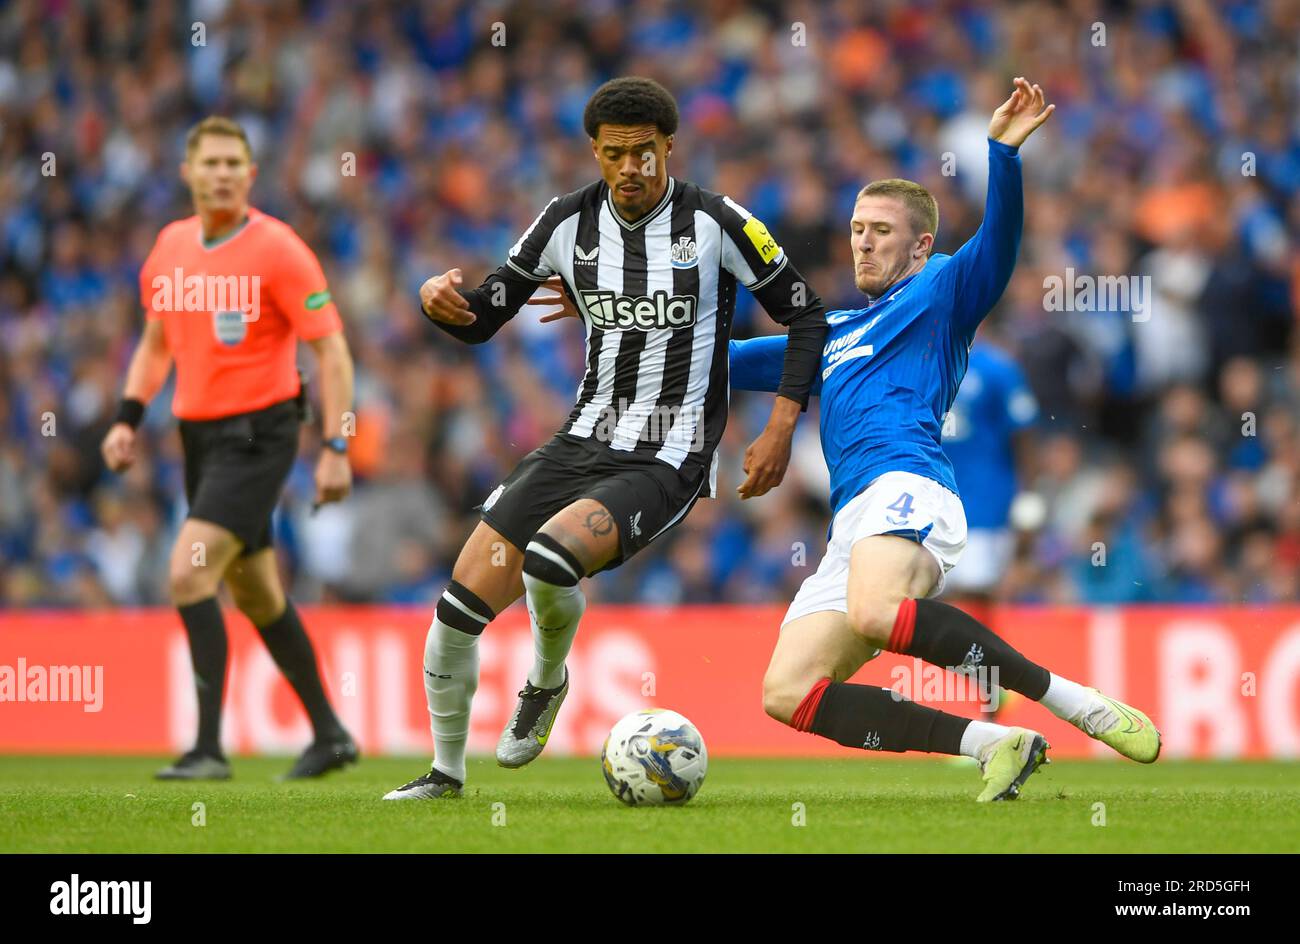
x,y
600,523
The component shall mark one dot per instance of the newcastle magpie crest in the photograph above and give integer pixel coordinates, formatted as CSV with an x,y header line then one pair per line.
x,y
683,253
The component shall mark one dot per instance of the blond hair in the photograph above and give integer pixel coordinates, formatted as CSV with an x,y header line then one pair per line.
x,y
216,124
922,208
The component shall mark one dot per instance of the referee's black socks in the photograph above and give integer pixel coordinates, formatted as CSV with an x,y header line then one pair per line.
x,y
207,634
292,651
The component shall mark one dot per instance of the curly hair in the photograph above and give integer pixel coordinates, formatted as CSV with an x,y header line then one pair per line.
x,y
631,100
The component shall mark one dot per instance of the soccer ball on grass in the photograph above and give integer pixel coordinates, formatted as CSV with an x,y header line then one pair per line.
x,y
654,757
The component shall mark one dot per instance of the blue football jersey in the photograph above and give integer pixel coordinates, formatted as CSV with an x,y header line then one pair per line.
x,y
890,370
993,404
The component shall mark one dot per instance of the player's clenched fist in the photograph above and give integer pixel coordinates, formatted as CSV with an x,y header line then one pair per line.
x,y
118,447
766,460
441,301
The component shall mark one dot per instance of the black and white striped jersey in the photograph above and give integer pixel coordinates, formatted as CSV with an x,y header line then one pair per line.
x,y
657,297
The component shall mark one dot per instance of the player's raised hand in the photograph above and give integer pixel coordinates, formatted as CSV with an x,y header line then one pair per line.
x,y
1020,115
441,301
556,285
118,447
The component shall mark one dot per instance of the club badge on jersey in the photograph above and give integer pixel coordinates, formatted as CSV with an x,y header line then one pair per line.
x,y
683,254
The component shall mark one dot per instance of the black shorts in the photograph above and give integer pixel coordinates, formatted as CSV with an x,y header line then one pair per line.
x,y
645,496
236,467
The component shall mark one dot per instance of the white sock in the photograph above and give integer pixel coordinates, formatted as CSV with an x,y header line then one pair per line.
x,y
1066,699
979,735
450,678
558,609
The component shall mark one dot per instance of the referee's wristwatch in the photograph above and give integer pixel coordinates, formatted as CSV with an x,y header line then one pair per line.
x,y
337,444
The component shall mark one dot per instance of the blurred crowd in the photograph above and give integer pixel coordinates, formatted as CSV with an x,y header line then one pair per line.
x,y
402,140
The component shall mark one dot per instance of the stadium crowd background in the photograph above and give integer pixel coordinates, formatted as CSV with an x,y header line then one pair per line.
x,y
458,143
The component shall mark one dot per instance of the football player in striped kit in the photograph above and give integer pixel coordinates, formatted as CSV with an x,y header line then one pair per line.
x,y
653,264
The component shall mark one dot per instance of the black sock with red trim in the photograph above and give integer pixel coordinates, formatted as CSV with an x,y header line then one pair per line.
x,y
877,719
945,636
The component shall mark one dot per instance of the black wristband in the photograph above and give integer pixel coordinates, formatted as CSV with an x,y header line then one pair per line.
x,y
130,412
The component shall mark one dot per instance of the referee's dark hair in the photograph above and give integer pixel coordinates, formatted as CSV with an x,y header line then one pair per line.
x,y
631,100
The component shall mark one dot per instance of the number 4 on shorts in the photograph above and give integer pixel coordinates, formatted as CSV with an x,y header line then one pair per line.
x,y
903,506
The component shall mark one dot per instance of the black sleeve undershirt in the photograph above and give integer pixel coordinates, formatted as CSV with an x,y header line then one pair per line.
x,y
806,324
514,289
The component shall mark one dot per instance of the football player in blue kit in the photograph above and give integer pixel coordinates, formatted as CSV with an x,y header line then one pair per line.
x,y
890,373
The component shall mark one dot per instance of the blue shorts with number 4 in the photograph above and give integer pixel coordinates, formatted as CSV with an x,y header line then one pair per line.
x,y
901,503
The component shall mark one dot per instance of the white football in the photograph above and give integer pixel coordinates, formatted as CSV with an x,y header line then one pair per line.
x,y
654,757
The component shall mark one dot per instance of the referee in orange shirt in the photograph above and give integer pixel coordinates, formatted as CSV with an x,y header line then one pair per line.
x,y
228,292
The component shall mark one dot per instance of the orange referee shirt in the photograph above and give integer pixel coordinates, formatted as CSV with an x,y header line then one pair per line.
x,y
233,312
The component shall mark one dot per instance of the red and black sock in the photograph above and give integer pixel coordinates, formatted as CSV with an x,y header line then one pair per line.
x,y
877,719
945,636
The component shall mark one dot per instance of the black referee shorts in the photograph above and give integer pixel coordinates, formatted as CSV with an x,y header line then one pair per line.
x,y
645,496
236,467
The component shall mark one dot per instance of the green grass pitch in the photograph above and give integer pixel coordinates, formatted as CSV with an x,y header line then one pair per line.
x,y
99,804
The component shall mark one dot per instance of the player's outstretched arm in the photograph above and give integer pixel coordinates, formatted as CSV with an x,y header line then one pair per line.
x,y
151,362
979,270
475,315
756,364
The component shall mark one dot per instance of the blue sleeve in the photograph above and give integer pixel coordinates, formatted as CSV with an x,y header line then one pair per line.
x,y
979,271
756,364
